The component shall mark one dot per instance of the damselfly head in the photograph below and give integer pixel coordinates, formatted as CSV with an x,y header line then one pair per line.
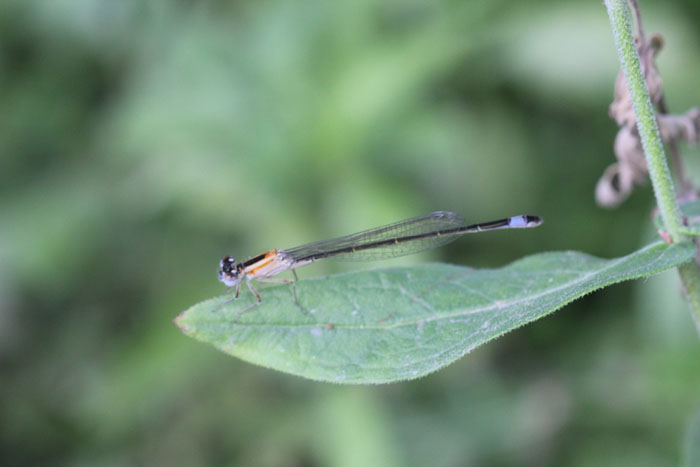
x,y
228,272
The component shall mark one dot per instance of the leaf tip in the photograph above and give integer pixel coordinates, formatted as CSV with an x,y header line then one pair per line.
x,y
179,321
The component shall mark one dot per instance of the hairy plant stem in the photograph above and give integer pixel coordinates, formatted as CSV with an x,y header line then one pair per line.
x,y
651,142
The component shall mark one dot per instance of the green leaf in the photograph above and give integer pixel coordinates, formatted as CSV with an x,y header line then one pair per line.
x,y
691,456
393,324
690,210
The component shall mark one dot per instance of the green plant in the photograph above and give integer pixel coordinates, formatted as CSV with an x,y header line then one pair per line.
x,y
653,147
394,324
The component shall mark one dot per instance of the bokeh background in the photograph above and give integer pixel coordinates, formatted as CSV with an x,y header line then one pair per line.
x,y
142,141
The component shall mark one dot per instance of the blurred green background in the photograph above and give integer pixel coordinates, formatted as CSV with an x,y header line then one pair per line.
x,y
142,141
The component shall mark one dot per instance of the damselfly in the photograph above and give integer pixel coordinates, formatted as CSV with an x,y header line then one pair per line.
x,y
398,239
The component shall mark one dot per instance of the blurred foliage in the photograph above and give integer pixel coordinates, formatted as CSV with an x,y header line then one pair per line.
x,y
142,141
691,455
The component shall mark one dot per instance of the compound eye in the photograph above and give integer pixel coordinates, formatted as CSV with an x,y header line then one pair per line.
x,y
227,264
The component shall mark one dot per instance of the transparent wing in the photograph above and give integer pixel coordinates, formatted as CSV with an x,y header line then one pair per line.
x,y
399,239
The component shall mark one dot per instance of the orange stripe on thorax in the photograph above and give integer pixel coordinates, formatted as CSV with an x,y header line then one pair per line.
x,y
255,267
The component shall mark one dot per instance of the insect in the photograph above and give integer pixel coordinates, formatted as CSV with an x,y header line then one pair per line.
x,y
401,238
